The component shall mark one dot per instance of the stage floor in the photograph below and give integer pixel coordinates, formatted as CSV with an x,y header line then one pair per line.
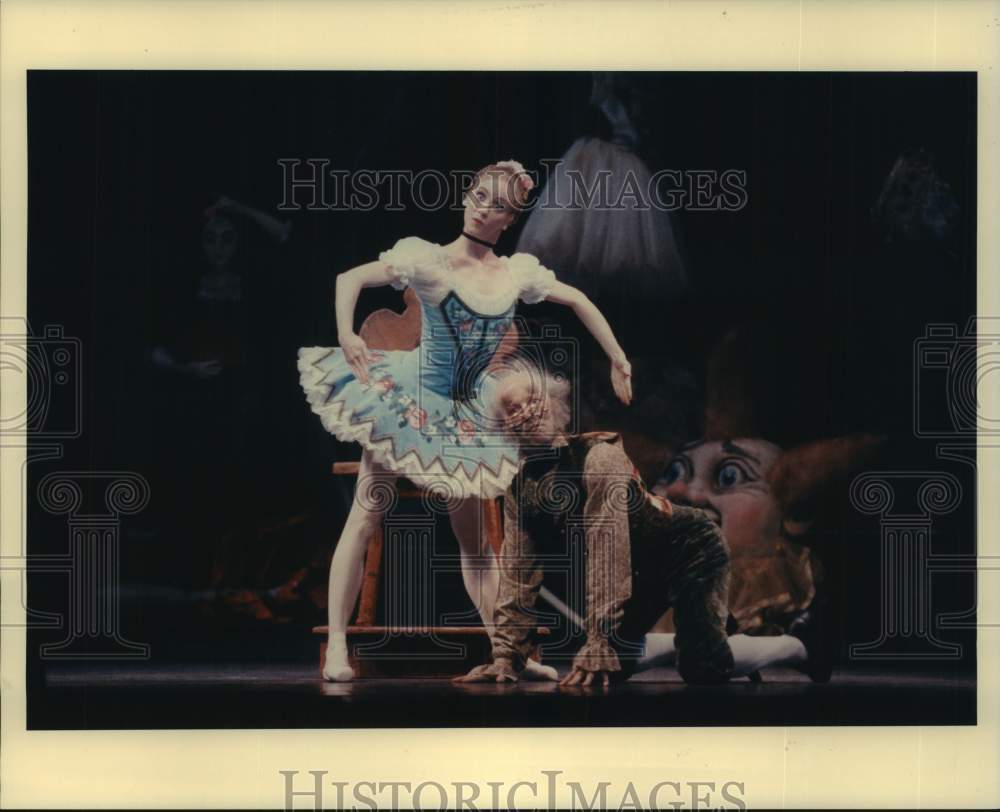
x,y
196,695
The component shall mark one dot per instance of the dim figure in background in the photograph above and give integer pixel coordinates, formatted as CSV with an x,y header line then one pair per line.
x,y
617,247
212,346
424,414
915,204
217,334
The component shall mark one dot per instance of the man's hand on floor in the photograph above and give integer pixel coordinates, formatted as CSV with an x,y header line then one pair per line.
x,y
579,676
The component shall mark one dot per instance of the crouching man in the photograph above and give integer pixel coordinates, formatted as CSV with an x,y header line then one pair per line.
x,y
642,554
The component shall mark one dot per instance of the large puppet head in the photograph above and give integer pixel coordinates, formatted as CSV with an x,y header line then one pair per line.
x,y
770,469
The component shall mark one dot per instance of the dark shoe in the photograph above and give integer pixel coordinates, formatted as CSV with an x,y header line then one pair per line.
x,y
701,667
814,627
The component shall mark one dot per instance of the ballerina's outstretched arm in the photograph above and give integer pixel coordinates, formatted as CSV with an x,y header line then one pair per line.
x,y
593,320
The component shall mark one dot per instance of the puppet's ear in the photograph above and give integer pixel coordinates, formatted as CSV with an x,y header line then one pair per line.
x,y
809,477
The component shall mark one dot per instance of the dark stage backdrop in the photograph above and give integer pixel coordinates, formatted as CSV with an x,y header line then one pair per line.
x,y
123,164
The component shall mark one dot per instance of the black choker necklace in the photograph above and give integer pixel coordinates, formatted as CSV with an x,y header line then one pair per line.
x,y
468,236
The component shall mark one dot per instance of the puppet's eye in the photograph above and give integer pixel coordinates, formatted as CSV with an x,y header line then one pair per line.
x,y
730,475
677,469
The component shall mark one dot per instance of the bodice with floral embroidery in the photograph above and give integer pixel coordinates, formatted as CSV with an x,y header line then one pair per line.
x,y
461,327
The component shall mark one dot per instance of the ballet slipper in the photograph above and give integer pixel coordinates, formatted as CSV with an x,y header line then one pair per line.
x,y
337,671
337,668
534,671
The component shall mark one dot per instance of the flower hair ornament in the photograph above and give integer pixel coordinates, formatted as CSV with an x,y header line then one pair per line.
x,y
516,168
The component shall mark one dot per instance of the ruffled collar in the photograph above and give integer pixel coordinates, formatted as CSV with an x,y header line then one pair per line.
x,y
489,304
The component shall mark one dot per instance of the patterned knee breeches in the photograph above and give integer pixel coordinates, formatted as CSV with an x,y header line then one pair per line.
x,y
680,561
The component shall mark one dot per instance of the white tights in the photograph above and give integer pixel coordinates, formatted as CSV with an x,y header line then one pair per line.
x,y
371,500
750,653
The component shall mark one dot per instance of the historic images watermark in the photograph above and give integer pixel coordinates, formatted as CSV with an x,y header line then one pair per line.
x,y
311,184
314,790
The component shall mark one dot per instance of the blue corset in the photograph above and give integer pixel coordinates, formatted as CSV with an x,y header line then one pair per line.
x,y
456,346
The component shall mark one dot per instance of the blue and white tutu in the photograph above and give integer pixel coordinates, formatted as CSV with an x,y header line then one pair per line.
x,y
426,413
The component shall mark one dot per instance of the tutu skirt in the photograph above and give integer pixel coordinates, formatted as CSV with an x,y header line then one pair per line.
x,y
440,444
600,249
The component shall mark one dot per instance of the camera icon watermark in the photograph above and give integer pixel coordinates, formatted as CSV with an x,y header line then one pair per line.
x,y
50,366
473,372
952,373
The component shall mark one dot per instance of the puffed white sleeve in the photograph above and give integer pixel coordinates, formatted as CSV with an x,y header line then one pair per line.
x,y
405,260
534,280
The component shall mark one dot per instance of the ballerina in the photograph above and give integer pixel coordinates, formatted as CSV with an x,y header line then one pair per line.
x,y
423,414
